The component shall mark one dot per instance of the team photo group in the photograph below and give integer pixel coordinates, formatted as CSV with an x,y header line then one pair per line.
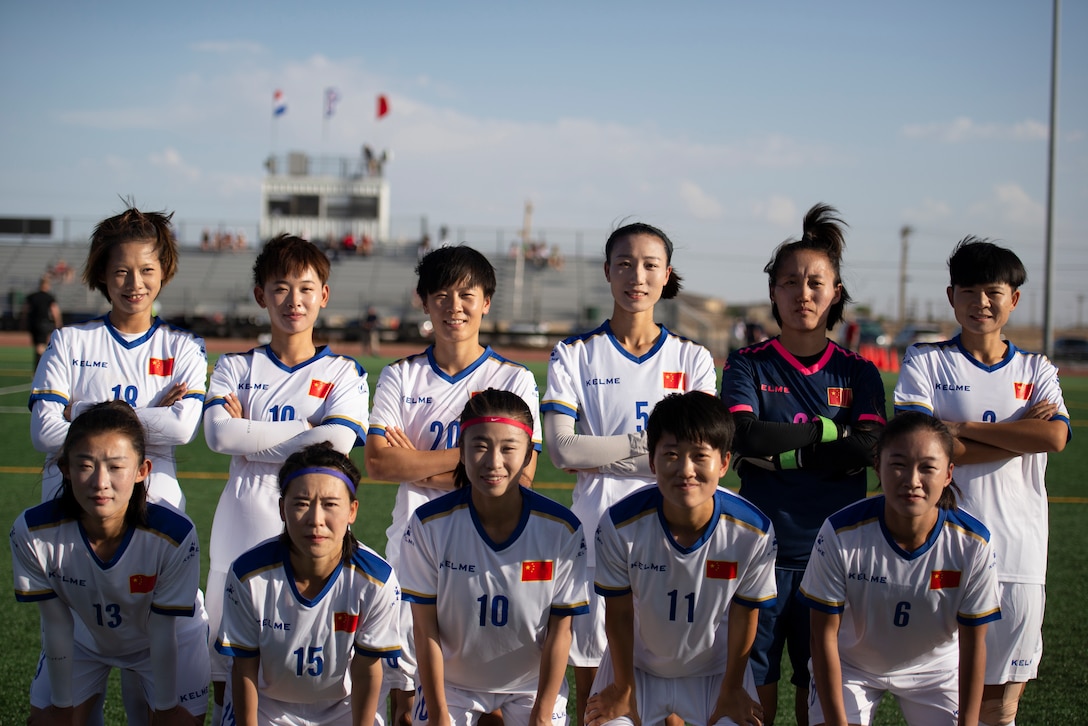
x,y
667,598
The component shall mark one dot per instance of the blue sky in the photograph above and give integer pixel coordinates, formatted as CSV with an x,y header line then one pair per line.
x,y
720,122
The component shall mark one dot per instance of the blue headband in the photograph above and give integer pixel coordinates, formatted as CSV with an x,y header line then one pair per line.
x,y
317,470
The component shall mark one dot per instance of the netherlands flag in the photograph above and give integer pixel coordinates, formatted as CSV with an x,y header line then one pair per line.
x,y
279,103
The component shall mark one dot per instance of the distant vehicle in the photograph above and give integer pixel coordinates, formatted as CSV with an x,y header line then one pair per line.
x,y
1071,349
873,333
911,334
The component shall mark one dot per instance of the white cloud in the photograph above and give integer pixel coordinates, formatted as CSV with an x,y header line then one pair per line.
x,y
170,159
965,129
777,210
927,211
700,204
1010,204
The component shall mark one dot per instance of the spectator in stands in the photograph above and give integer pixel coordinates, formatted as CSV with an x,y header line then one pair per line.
x,y
41,316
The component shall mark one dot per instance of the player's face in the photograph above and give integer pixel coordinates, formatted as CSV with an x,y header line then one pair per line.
x,y
804,291
494,455
456,311
914,470
637,272
317,510
293,301
133,281
983,309
104,470
687,473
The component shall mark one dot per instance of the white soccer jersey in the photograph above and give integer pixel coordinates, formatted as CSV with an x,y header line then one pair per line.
x,y
326,389
1009,497
306,645
416,396
91,362
611,392
900,610
682,594
494,598
155,569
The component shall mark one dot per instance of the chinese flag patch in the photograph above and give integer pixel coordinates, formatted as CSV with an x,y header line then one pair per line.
x,y
840,397
345,622
721,570
673,380
940,579
1023,390
536,570
141,584
160,367
319,389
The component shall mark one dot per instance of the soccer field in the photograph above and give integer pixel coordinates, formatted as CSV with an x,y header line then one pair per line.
x,y
1060,695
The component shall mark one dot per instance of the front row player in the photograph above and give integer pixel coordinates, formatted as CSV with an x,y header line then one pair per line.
x,y
309,614
494,573
695,563
111,574
892,582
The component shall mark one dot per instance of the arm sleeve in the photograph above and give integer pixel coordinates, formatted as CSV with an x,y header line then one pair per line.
x,y
611,575
177,424
341,437
571,594
49,394
913,388
178,578
239,631
418,569
58,640
767,438
164,661
823,586
578,451
243,436
378,634
527,388
759,587
981,601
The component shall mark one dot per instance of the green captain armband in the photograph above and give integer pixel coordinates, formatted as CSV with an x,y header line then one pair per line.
x,y
829,430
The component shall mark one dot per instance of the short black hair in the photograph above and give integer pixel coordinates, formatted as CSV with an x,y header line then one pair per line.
x,y
694,416
978,261
449,266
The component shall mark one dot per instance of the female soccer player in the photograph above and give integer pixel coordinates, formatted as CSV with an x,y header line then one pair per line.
x,y
893,581
602,386
309,614
808,414
128,354
270,402
111,573
494,573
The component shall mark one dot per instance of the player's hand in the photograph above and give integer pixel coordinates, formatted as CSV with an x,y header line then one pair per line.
x,y
1044,410
232,405
51,716
736,704
611,703
763,462
540,715
67,417
176,716
954,427
174,394
396,438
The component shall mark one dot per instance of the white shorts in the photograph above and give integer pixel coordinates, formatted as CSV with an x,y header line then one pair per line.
x,y
1014,644
466,707
925,699
692,698
589,641
248,513
273,712
399,674
90,671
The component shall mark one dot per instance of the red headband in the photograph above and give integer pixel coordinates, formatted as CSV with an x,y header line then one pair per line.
x,y
497,419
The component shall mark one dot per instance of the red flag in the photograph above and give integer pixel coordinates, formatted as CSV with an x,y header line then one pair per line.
x,y
1023,390
383,105
673,379
346,622
319,389
160,367
141,584
840,397
721,570
940,579
536,570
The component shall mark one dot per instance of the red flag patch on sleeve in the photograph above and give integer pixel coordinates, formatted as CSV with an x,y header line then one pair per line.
x,y
160,367
536,570
346,622
1023,390
940,579
141,584
319,389
721,570
673,380
840,397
